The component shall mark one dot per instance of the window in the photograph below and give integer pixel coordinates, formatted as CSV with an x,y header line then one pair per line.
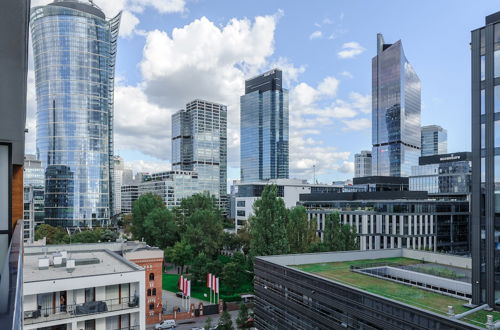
x,y
240,213
240,203
151,276
149,292
151,306
154,291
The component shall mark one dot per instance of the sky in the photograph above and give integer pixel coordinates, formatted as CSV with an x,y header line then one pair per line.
x,y
173,51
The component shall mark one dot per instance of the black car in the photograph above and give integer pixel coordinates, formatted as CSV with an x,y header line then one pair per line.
x,y
179,294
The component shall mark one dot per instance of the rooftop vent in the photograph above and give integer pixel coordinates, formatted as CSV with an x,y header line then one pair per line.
x,y
70,265
43,263
87,261
58,261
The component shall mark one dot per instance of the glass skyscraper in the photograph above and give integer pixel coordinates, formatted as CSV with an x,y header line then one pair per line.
x,y
264,128
74,50
485,66
434,140
199,144
395,111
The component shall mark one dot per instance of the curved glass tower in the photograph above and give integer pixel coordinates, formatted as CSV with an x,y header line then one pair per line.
x,y
74,49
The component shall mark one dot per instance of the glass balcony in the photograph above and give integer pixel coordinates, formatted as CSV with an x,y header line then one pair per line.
x,y
46,314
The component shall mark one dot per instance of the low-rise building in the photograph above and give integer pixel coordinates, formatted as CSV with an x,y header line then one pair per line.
x,y
82,289
288,189
370,290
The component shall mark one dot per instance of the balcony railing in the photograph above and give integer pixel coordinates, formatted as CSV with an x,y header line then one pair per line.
x,y
71,311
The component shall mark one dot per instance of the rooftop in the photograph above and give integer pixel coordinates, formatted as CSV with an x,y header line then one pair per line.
x,y
109,263
341,267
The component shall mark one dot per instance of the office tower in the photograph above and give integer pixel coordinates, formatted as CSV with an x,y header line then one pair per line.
x,y
264,128
434,140
14,18
395,111
363,164
485,66
34,174
74,50
118,168
199,144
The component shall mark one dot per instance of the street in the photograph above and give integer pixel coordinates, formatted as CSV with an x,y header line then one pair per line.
x,y
199,321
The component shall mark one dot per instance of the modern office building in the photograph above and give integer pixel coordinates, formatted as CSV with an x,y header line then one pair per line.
x,y
199,144
34,174
395,219
369,290
434,140
264,128
485,65
128,195
171,186
33,197
443,175
82,289
395,111
246,193
118,174
74,51
14,31
363,164
377,183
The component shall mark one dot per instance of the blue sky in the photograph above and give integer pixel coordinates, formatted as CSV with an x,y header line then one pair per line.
x,y
329,95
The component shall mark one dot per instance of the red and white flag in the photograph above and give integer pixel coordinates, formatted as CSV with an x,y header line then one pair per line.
x,y
214,284
189,289
217,285
181,283
209,280
185,287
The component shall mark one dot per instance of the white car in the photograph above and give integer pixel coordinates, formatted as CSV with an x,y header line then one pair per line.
x,y
165,324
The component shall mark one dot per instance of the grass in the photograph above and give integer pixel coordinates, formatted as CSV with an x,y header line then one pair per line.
x,y
435,302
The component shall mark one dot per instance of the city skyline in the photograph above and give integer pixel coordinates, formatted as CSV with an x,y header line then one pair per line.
x,y
322,93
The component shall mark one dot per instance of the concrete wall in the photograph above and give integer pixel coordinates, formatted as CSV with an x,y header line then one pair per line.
x,y
439,258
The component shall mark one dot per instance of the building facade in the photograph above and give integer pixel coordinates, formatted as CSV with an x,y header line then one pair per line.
x,y
171,186
74,50
151,259
395,111
33,197
443,175
86,289
288,189
363,164
396,219
128,195
485,66
264,128
434,140
199,144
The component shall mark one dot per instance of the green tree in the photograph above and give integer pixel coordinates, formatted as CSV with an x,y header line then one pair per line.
x,y
190,205
204,231
53,235
225,322
109,236
301,233
208,324
338,237
180,254
87,236
144,205
199,268
241,321
268,233
160,229
231,242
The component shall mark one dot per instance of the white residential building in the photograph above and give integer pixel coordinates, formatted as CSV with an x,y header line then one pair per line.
x,y
86,289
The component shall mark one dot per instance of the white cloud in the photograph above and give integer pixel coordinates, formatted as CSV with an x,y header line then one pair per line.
x,y
350,50
357,124
347,74
148,166
128,24
328,86
316,35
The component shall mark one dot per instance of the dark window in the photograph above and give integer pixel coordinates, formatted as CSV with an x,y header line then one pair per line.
x,y
154,291
149,292
240,213
151,276
151,306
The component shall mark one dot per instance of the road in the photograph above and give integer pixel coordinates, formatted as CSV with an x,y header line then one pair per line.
x,y
199,321
170,300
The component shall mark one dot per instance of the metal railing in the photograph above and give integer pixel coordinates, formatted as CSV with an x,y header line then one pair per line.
x,y
43,314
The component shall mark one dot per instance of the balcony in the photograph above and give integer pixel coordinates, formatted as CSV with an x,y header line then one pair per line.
x,y
78,310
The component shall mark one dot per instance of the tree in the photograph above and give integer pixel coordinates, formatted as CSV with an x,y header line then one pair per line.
x,y
225,322
242,320
53,235
160,229
204,231
87,236
268,234
109,236
231,242
199,268
208,324
140,209
180,254
189,205
301,233
338,237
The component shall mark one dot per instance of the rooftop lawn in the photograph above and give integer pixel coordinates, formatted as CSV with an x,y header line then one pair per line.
x,y
436,302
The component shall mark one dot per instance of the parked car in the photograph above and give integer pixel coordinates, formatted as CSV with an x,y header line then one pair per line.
x,y
165,324
179,294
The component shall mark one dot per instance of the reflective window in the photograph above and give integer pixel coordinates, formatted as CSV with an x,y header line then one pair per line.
x,y
483,105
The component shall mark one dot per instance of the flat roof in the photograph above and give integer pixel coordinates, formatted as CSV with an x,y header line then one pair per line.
x,y
109,263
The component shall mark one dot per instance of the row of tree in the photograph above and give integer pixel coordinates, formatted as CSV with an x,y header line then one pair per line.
x,y
59,235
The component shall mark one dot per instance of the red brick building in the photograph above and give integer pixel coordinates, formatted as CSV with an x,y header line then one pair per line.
x,y
152,261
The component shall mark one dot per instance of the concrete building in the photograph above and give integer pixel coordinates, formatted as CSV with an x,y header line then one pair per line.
x,y
151,259
129,194
396,219
370,290
264,128
396,93
91,289
74,51
485,73
199,144
363,164
33,197
288,189
171,186
434,140
444,175
14,18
